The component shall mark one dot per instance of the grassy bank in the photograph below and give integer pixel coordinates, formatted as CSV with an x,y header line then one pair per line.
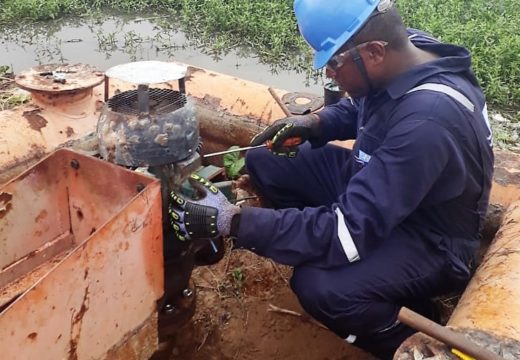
x,y
488,29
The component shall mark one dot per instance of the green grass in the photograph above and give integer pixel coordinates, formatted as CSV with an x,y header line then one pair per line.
x,y
15,10
269,27
490,29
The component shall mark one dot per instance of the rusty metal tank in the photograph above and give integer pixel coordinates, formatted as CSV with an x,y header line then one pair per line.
x,y
63,108
80,261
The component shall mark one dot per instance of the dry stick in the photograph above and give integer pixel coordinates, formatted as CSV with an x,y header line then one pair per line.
x,y
215,278
228,257
205,287
237,353
217,282
445,335
206,334
279,271
276,309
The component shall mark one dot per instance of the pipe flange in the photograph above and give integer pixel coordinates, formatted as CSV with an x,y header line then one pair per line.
x,y
59,78
300,103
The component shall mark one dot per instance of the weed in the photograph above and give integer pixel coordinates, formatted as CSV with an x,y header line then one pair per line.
x,y
238,277
233,163
107,42
4,70
232,284
9,96
10,99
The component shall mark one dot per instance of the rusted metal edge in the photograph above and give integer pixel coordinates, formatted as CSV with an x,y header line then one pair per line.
x,y
139,344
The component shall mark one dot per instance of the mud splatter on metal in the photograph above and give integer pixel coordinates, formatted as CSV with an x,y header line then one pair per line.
x,y
36,121
69,131
5,203
76,322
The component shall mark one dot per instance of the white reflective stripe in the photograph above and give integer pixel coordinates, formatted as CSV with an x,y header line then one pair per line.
x,y
413,36
397,322
488,125
350,339
445,89
345,238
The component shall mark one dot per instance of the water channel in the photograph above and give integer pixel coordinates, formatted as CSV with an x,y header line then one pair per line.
x,y
114,40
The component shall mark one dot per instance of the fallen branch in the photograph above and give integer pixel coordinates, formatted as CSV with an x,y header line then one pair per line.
x,y
277,269
206,334
276,309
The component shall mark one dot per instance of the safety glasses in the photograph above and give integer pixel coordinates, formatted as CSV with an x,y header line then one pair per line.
x,y
338,60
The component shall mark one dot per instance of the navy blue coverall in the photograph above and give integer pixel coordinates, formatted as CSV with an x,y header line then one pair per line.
x,y
391,223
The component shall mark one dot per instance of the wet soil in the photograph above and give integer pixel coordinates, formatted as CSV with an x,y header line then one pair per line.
x,y
235,318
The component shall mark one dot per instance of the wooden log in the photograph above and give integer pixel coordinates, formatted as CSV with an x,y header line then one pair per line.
x,y
220,130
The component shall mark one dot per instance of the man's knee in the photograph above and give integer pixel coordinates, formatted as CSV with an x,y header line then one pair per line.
x,y
310,292
345,308
320,298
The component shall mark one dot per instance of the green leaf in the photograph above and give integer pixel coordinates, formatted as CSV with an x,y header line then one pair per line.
x,y
233,163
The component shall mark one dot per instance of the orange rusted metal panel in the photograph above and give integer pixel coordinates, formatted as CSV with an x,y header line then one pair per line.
x,y
108,274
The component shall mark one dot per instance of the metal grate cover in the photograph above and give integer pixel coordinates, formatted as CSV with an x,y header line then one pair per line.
x,y
161,101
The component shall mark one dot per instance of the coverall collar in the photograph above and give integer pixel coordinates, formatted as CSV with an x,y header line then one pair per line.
x,y
453,59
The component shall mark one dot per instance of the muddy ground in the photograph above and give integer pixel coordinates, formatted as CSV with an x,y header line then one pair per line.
x,y
235,318
246,310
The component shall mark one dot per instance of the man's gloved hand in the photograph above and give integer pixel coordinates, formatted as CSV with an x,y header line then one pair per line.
x,y
205,218
304,127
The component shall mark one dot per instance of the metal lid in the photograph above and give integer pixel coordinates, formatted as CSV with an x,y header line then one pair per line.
x,y
56,78
147,72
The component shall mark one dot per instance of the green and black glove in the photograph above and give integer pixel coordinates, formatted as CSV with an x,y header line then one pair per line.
x,y
205,218
283,134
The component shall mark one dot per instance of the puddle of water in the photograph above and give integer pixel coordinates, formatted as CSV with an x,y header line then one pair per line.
x,y
116,40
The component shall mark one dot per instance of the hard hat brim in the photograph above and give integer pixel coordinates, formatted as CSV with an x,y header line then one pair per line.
x,y
321,58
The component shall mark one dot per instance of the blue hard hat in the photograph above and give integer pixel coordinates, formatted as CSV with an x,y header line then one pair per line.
x,y
327,25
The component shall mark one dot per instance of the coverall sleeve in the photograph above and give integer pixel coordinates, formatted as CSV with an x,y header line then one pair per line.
x,y
378,198
337,122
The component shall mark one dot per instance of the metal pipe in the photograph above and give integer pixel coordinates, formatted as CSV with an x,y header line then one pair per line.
x,y
143,99
182,86
280,102
489,311
445,335
491,302
107,88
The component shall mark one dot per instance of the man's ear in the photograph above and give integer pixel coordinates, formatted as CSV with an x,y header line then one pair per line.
x,y
375,53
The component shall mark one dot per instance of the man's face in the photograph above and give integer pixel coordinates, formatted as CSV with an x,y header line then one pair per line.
x,y
346,73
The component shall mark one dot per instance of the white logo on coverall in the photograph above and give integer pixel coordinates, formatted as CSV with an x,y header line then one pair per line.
x,y
363,158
